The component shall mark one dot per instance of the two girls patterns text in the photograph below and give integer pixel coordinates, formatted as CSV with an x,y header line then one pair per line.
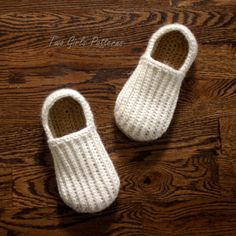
x,y
82,42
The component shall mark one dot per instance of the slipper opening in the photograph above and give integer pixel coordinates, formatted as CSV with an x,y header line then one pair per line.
x,y
171,49
66,116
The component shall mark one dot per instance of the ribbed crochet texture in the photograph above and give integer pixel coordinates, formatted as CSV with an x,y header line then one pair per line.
x,y
86,178
145,106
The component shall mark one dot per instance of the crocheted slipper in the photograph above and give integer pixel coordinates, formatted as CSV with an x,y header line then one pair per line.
x,y
145,106
86,178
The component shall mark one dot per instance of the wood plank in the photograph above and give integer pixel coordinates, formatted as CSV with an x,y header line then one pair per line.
x,y
215,98
208,3
227,160
214,217
55,6
161,180
28,147
35,30
119,219
59,6
169,180
68,66
35,186
25,145
5,187
228,135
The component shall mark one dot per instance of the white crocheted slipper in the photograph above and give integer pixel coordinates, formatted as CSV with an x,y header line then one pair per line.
x,y
86,178
145,106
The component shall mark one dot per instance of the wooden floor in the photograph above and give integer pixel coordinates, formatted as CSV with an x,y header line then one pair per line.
x,y
182,184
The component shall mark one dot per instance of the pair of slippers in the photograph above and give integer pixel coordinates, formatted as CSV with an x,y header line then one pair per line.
x,y
86,178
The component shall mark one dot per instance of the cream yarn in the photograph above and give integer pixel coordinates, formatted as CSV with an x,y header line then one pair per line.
x,y
145,106
86,178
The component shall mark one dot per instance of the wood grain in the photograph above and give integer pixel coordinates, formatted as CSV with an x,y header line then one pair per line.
x,y
206,3
228,156
120,219
26,30
206,95
25,145
212,217
181,184
6,187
